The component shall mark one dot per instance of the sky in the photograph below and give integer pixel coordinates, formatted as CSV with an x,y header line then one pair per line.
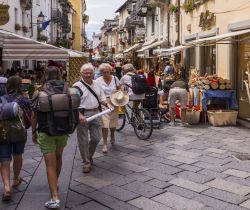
x,y
98,11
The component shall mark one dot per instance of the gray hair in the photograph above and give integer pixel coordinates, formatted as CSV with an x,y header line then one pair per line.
x,y
87,66
128,67
104,66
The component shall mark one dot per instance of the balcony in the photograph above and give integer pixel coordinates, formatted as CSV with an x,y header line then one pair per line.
x,y
26,4
136,20
157,3
56,14
141,8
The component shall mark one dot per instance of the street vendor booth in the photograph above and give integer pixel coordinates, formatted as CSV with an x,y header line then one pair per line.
x,y
16,47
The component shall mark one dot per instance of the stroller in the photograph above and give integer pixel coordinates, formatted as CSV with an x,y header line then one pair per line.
x,y
150,103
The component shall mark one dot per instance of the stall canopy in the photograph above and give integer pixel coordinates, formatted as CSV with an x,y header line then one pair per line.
x,y
16,47
146,44
134,47
75,53
173,50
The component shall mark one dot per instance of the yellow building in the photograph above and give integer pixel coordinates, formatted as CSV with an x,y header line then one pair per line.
x,y
79,20
219,33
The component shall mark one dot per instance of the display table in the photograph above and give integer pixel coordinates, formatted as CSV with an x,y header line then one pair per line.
x,y
228,95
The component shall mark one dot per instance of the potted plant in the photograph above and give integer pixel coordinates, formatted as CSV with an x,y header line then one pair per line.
x,y
25,29
188,7
17,27
174,8
42,38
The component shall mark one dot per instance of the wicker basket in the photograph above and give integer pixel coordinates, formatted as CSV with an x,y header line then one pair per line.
x,y
222,117
193,117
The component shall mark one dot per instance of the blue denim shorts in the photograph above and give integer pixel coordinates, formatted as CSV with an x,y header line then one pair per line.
x,y
9,149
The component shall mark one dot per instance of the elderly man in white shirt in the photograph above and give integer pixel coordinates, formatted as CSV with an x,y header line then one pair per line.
x,y
92,97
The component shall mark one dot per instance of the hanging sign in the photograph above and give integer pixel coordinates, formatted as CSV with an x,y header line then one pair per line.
x,y
4,14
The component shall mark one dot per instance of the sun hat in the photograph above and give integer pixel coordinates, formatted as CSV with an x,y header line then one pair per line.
x,y
119,98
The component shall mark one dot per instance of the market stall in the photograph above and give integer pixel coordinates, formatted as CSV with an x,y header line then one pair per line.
x,y
211,89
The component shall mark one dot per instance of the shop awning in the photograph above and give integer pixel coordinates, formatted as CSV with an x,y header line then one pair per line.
x,y
119,56
134,47
16,47
218,38
173,50
156,44
146,44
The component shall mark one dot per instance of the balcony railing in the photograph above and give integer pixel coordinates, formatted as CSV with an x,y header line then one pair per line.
x,y
141,8
157,3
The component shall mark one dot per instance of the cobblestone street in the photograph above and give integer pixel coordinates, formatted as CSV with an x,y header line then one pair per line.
x,y
178,168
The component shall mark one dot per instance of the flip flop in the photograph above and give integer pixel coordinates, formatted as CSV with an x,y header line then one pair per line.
x,y
6,196
20,180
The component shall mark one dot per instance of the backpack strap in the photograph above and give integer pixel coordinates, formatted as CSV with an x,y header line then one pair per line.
x,y
94,94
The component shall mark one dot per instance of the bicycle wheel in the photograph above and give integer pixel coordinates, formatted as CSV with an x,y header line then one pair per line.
x,y
121,122
143,124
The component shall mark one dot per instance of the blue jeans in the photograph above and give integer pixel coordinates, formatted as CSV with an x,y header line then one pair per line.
x,y
9,149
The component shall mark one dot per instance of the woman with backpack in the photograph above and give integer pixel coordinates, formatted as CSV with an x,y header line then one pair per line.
x,y
109,84
51,144
12,142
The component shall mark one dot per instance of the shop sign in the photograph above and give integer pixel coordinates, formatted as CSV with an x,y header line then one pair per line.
x,y
146,53
4,14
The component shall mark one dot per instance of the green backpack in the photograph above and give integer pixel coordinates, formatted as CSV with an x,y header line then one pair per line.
x,y
12,130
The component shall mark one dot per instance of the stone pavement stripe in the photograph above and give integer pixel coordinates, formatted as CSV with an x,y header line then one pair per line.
x,y
161,176
215,150
92,205
229,186
212,202
75,199
143,189
182,191
182,159
189,185
246,204
238,173
139,177
159,184
119,193
133,167
92,182
162,168
189,168
212,174
147,204
38,190
109,201
195,177
183,153
178,202
224,196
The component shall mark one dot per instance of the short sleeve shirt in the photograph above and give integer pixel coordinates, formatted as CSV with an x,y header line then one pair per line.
x,y
127,80
88,100
108,88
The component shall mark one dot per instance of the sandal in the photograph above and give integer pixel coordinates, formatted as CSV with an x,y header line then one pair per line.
x,y
19,181
6,196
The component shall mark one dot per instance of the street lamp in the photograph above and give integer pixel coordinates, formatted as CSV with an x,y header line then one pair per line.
x,y
40,17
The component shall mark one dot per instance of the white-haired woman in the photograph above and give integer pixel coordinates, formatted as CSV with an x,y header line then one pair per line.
x,y
109,84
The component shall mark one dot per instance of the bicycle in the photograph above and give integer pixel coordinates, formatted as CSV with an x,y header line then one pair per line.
x,y
139,118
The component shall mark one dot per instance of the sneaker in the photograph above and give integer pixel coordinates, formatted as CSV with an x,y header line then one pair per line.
x,y
53,204
171,124
86,169
104,149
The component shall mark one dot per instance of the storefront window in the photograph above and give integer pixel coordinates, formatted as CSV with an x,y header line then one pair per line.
x,y
208,60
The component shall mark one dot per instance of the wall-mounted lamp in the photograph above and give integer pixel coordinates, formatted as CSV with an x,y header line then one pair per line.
x,y
40,17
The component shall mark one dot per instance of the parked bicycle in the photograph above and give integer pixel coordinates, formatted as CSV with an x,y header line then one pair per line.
x,y
139,118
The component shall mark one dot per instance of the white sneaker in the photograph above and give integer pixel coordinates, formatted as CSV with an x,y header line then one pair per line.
x,y
171,123
53,204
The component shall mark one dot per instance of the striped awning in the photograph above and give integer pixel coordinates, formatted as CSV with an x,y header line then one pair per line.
x,y
16,47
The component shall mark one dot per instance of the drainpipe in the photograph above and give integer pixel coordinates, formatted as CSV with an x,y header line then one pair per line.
x,y
178,22
51,23
31,22
168,29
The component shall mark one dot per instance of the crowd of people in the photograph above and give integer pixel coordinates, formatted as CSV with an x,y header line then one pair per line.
x,y
96,89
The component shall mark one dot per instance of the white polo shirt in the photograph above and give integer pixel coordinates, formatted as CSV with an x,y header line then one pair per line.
x,y
88,100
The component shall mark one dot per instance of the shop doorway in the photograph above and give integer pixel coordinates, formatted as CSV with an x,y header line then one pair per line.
x,y
208,60
243,58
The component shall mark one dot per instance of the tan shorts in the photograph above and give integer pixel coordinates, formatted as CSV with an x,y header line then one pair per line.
x,y
110,120
178,94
